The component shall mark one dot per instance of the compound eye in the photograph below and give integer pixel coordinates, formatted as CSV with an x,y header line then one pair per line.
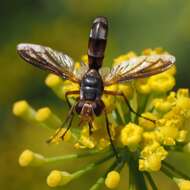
x,y
79,107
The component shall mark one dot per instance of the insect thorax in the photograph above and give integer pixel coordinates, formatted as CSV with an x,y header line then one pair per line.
x,y
91,86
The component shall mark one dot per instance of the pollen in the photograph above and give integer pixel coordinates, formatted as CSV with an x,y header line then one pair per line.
x,y
112,179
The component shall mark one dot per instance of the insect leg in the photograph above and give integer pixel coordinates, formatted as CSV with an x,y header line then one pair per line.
x,y
69,119
70,93
90,128
113,93
109,134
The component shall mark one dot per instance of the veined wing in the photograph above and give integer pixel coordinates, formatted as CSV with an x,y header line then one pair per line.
x,y
104,72
48,59
80,69
139,67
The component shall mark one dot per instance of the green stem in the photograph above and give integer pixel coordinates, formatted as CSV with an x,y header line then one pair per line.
x,y
151,181
167,172
101,180
175,170
92,166
136,178
75,156
143,99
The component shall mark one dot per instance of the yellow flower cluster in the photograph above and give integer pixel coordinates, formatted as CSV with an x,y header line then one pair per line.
x,y
145,138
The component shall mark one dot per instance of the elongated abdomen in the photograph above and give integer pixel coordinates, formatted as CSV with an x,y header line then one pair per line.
x,y
97,42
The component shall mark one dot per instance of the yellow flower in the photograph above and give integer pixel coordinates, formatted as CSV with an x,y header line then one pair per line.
x,y
110,100
161,83
147,124
85,140
112,179
24,110
151,157
58,178
169,132
29,158
53,81
182,136
183,102
124,57
162,105
45,116
150,137
183,184
151,163
131,135
150,51
142,86
59,86
171,70
84,58
58,137
126,89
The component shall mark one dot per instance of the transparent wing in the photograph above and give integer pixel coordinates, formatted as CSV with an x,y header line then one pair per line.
x,y
48,59
80,70
104,71
139,67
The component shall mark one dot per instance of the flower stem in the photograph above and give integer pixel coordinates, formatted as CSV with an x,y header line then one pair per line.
x,y
175,170
151,181
75,156
101,180
167,172
92,166
136,178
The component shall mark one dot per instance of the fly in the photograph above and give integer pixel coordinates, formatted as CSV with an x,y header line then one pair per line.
x,y
93,78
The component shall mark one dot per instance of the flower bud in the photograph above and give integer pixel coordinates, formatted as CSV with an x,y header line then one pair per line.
x,y
24,110
45,116
112,179
131,135
29,158
182,183
58,178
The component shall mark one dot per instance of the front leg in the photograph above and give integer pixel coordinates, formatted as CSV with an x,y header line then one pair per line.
x,y
67,123
68,93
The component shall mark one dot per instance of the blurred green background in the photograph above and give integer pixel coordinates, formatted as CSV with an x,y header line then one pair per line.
x,y
64,25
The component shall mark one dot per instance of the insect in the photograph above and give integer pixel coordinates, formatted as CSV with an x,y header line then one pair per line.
x,y
91,77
